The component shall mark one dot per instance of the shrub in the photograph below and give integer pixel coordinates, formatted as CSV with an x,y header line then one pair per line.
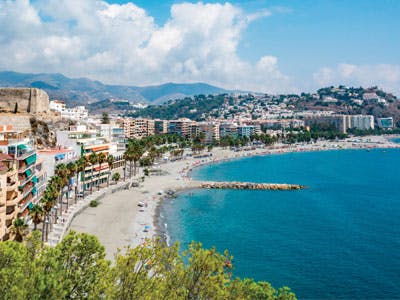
x,y
94,203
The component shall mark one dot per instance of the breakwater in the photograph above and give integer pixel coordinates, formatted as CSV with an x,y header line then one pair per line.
x,y
236,185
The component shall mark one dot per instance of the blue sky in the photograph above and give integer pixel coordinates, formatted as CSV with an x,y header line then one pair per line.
x,y
281,45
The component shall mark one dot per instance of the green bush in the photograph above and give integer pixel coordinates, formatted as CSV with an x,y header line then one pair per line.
x,y
94,203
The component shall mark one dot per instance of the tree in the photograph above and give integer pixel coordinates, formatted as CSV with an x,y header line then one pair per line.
x,y
80,261
72,170
93,159
36,213
77,269
19,230
81,165
110,161
116,177
105,119
15,271
101,158
133,154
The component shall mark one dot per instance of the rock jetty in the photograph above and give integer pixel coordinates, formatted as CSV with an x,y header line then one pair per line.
x,y
235,185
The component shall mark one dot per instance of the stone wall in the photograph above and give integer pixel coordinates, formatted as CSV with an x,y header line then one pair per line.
x,y
30,100
18,122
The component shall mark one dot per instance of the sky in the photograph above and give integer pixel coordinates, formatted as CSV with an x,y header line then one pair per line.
x,y
255,45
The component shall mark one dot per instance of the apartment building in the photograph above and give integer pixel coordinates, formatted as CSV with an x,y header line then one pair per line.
x,y
74,113
363,122
10,195
339,122
228,129
209,131
138,128
179,127
160,126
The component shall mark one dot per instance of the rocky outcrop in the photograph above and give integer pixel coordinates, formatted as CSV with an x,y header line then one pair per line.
x,y
23,100
250,186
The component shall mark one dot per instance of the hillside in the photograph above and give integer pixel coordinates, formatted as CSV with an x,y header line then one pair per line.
x,y
78,91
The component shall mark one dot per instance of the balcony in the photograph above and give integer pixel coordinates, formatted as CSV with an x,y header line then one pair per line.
x,y
26,190
24,167
14,200
11,216
11,172
24,154
11,186
25,180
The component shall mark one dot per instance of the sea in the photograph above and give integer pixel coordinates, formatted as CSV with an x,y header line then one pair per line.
x,y
337,239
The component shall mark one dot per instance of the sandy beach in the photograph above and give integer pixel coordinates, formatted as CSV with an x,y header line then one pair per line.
x,y
119,221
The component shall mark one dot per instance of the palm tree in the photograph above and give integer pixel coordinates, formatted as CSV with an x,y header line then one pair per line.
x,y
110,161
93,159
116,177
101,159
128,156
19,229
81,165
36,213
72,169
134,153
48,201
58,182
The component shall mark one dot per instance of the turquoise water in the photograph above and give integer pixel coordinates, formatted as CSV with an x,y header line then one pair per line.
x,y
396,140
340,238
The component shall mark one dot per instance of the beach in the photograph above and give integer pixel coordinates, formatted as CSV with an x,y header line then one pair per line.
x,y
119,221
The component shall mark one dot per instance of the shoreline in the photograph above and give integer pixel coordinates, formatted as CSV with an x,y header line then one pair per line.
x,y
131,225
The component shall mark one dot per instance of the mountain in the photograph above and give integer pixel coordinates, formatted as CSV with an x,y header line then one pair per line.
x,y
78,91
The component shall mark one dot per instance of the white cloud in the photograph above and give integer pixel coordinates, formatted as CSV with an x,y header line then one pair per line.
x,y
385,76
123,44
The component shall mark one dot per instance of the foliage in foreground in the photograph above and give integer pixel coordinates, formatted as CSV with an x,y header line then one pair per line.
x,y
77,269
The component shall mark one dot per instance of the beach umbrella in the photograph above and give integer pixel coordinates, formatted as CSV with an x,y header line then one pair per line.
x,y
147,227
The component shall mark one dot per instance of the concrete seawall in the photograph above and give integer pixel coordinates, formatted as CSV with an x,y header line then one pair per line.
x,y
246,185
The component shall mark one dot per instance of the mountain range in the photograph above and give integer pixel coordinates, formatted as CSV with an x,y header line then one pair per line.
x,y
84,91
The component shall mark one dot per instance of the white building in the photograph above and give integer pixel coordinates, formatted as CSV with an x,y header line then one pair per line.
x,y
75,113
57,105
363,122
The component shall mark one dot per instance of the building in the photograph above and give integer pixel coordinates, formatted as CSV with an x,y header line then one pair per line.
x,y
228,129
385,123
85,142
247,130
114,134
362,122
99,173
179,127
339,122
208,131
57,105
138,128
50,158
20,147
74,113
10,195
160,126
